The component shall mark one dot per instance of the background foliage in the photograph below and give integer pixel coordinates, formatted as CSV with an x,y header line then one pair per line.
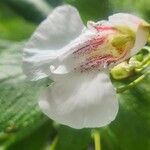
x,y
22,125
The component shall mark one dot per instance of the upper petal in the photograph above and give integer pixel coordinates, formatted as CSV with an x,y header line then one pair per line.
x,y
81,100
125,19
138,25
60,28
141,39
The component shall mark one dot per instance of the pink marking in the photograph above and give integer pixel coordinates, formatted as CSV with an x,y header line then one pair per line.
x,y
95,62
104,28
90,45
99,61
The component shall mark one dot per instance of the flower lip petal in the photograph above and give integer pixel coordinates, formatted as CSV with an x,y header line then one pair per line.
x,y
81,100
58,29
61,27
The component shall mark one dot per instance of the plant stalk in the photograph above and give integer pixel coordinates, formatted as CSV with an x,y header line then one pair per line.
x,y
132,84
96,136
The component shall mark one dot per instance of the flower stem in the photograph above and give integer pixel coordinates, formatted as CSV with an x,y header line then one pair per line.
x,y
143,67
132,84
53,144
96,136
144,64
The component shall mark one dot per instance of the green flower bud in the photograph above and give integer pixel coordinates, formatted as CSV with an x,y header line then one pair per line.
x,y
122,71
136,60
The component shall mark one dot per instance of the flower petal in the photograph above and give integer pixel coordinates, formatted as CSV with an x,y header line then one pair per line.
x,y
141,39
61,27
125,19
81,100
137,24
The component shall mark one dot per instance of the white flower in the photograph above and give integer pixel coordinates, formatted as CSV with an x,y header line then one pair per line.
x,y
78,59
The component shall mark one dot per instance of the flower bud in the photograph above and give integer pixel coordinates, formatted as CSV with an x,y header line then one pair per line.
x,y
122,71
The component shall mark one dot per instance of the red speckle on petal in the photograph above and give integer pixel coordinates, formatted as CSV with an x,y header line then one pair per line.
x,y
104,28
90,45
96,62
91,54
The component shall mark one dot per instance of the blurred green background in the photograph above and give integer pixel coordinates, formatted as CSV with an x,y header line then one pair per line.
x,y
22,124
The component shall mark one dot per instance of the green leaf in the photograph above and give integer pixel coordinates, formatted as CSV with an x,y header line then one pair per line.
x,y
37,140
19,111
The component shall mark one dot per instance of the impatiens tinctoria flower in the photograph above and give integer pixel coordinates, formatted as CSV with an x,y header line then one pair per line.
x,y
78,58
